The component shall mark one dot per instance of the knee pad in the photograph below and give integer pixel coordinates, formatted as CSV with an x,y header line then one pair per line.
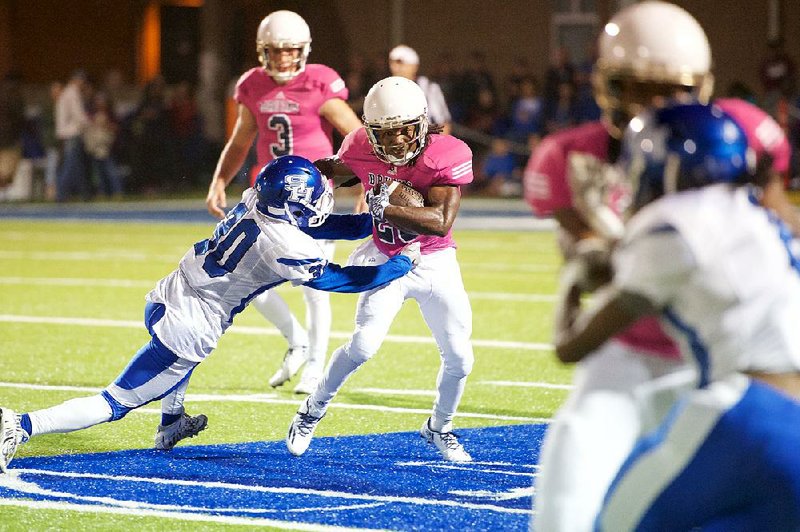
x,y
118,410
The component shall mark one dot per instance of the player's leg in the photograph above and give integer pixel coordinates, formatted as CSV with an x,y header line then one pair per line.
x,y
591,435
445,307
318,322
374,314
273,307
725,456
176,424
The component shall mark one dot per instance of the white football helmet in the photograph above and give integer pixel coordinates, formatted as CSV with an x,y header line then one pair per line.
x,y
283,29
650,49
392,103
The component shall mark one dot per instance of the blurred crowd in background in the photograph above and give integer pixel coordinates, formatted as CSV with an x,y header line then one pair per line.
x,y
84,139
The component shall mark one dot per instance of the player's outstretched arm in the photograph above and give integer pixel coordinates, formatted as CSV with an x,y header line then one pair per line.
x,y
342,227
435,218
231,160
350,279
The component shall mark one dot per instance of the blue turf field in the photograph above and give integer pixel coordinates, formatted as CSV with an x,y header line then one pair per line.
x,y
384,481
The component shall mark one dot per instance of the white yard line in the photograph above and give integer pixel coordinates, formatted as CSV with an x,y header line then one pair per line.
x,y
522,384
132,283
272,489
180,516
243,329
272,399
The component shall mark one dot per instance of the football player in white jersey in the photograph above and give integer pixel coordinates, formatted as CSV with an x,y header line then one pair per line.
x,y
289,107
719,449
264,241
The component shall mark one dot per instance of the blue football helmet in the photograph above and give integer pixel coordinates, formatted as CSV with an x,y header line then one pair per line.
x,y
683,146
290,188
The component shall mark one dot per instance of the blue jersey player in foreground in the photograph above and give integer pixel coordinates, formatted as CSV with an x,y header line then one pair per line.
x,y
266,240
719,449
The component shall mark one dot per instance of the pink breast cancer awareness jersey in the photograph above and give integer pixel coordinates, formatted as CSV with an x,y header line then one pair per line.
x,y
288,115
444,161
547,187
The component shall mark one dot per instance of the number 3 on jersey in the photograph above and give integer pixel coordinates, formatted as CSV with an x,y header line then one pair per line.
x,y
282,126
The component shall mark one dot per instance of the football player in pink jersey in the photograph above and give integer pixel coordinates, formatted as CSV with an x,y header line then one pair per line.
x,y
648,53
292,107
396,144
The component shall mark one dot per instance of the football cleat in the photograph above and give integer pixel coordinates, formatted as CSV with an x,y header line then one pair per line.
x,y
446,442
292,360
186,427
301,429
308,382
11,436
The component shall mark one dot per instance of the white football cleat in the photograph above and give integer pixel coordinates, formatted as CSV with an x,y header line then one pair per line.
x,y
308,382
292,360
301,429
446,442
11,436
186,427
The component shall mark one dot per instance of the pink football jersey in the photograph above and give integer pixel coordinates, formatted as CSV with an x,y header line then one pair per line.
x,y
764,135
444,161
288,115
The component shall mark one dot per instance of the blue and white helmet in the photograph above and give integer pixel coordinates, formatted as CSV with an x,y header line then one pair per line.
x,y
683,146
291,189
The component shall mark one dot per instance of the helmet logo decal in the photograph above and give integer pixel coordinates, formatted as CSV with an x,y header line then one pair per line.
x,y
298,189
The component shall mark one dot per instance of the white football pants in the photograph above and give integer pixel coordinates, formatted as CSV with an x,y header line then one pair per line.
x,y
437,287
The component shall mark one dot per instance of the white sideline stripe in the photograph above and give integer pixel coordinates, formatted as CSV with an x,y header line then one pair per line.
x,y
130,283
181,516
389,391
273,489
519,384
243,329
270,399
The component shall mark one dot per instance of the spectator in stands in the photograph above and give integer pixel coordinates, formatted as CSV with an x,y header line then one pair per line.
x,y
561,113
71,121
152,149
98,139
526,113
500,174
475,82
12,120
186,132
561,70
404,62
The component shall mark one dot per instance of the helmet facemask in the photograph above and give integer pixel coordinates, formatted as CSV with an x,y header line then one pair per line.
x,y
384,139
269,54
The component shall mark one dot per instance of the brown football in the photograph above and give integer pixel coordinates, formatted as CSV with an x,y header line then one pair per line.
x,y
403,195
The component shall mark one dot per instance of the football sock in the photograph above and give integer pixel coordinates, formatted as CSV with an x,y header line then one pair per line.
x,y
339,369
318,321
71,415
272,306
449,392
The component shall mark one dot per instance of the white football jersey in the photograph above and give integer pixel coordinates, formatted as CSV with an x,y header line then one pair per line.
x,y
718,266
247,254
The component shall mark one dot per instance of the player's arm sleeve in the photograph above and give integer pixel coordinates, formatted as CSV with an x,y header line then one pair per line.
x,y
545,179
342,227
455,168
334,85
350,279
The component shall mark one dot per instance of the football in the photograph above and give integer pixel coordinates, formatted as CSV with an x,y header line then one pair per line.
x,y
403,195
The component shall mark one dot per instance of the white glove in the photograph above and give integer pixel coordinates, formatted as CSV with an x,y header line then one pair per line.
x,y
412,252
377,201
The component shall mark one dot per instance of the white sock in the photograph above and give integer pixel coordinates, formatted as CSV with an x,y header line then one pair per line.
x,y
272,306
338,371
71,415
172,404
449,391
318,321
